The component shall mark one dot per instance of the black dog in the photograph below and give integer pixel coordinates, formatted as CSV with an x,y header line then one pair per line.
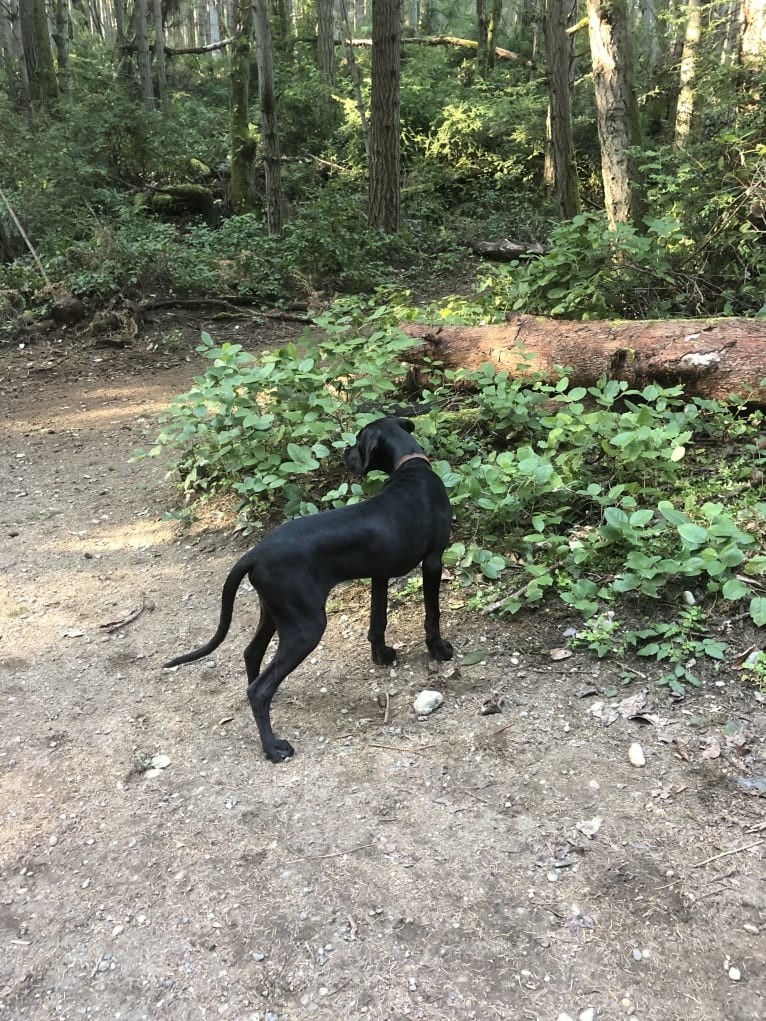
x,y
294,567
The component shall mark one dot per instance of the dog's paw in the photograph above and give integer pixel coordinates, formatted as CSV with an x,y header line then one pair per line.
x,y
279,750
383,655
440,649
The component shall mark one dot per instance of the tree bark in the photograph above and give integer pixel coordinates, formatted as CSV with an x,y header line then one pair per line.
x,y
38,56
272,157
560,170
143,55
353,69
494,27
616,110
242,186
326,40
61,39
385,140
713,358
482,38
753,40
685,112
159,54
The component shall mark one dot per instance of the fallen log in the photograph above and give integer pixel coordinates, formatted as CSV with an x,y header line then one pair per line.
x,y
713,358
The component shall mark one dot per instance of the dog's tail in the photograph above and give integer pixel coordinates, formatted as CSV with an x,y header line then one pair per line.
x,y
230,586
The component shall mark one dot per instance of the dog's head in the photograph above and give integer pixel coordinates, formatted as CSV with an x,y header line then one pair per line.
x,y
380,444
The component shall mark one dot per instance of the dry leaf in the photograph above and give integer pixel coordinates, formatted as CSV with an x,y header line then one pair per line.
x,y
557,654
712,751
681,750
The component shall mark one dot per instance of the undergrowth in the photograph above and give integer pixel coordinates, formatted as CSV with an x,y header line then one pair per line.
x,y
606,497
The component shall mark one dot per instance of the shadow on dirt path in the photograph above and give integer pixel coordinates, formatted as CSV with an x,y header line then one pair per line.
x,y
509,866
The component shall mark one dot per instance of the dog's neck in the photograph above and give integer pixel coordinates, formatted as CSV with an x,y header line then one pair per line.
x,y
410,457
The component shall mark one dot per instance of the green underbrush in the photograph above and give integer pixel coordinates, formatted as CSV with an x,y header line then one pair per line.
x,y
606,498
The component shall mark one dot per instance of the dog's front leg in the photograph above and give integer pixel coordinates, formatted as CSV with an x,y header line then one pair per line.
x,y
439,647
382,654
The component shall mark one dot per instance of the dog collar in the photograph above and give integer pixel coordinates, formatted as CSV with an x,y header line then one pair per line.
x,y
410,457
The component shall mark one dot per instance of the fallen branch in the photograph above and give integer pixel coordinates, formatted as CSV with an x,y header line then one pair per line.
x,y
114,625
222,303
333,854
23,233
727,854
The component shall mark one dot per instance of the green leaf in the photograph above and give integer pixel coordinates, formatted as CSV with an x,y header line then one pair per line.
x,y
671,514
692,535
640,518
735,589
472,658
758,610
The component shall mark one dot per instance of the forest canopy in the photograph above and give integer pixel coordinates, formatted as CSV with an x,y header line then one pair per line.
x,y
269,151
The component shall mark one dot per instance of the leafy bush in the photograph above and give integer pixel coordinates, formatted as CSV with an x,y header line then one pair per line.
x,y
597,495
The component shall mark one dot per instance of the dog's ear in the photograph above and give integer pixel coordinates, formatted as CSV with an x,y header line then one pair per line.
x,y
406,424
367,445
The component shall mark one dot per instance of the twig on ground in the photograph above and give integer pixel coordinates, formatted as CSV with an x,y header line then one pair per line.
x,y
113,625
726,854
332,854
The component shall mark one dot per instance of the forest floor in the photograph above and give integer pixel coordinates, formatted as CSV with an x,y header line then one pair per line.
x,y
513,866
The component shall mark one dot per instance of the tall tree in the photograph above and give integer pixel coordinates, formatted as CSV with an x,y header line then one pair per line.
x,y
242,185
143,54
753,42
159,54
685,105
326,40
616,110
385,141
560,170
61,38
272,157
495,18
482,37
37,53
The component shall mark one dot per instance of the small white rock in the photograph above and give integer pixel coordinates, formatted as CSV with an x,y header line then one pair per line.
x,y
636,755
588,1014
427,701
735,974
688,597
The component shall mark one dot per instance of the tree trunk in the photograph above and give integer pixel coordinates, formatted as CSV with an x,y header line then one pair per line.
x,y
356,80
385,142
685,112
494,28
272,157
143,55
242,186
713,358
61,39
326,40
482,37
616,110
159,54
753,41
38,56
560,170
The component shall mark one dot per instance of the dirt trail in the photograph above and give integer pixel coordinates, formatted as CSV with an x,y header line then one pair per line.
x,y
509,866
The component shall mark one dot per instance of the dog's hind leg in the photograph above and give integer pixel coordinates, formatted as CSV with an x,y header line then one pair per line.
x,y
382,654
439,647
299,635
256,650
